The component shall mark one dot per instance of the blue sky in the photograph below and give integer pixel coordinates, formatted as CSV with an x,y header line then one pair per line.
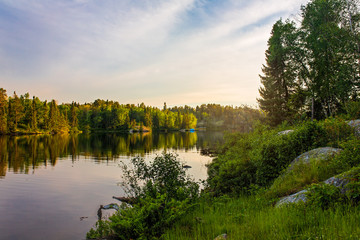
x,y
132,51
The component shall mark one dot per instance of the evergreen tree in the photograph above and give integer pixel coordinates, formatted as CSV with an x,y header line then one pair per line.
x,y
279,73
15,112
33,114
73,118
3,111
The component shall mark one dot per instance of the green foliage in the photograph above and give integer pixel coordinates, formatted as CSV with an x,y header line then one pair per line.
x,y
353,109
337,131
3,111
148,219
302,175
163,194
324,196
279,74
350,156
259,157
313,68
164,175
252,217
21,114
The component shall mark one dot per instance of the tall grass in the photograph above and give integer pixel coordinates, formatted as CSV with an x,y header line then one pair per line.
x,y
251,217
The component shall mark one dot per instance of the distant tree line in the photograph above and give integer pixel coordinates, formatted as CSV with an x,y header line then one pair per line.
x,y
31,115
312,66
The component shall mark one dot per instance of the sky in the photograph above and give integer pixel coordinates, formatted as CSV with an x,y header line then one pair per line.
x,y
182,52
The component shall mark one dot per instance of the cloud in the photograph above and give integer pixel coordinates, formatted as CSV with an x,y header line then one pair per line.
x,y
134,51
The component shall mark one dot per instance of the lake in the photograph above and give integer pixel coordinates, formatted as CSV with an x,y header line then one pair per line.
x,y
51,187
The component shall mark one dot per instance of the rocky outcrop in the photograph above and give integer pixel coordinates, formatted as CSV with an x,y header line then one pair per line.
x,y
322,153
356,125
339,181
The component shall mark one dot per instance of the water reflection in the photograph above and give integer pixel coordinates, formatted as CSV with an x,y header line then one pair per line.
x,y
23,154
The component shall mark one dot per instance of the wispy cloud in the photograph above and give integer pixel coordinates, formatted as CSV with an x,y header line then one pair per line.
x,y
179,51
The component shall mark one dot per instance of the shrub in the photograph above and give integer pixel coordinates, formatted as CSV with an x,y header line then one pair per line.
x,y
353,109
337,131
324,196
277,152
261,156
164,175
350,156
163,193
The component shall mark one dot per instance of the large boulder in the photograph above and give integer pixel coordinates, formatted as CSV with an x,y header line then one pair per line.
x,y
322,153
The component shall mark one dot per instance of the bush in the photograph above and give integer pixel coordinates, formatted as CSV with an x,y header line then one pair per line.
x,y
324,196
353,109
260,157
163,193
337,131
164,175
350,156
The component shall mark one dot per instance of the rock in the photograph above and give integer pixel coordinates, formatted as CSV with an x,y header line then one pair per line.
x,y
285,132
294,198
221,237
339,181
111,206
356,125
322,153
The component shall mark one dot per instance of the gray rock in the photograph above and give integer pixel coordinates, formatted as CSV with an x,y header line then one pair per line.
x,y
322,153
294,198
301,196
356,125
111,206
337,181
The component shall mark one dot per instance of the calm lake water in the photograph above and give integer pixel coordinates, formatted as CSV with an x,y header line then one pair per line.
x,y
52,186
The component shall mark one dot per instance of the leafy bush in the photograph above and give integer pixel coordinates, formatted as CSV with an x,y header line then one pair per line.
x,y
163,193
350,156
324,196
259,157
164,175
353,109
337,131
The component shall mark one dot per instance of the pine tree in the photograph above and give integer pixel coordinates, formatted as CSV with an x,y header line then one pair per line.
x,y
3,111
15,112
279,74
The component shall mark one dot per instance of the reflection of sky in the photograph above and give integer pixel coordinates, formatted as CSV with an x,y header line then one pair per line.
x,y
48,204
174,51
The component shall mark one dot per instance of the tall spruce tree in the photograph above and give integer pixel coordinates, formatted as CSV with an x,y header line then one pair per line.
x,y
279,73
3,111
15,112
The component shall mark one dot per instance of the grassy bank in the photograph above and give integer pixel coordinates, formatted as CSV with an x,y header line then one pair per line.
x,y
253,217
249,175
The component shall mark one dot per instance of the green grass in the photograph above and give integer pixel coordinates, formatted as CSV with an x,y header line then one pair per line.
x,y
252,217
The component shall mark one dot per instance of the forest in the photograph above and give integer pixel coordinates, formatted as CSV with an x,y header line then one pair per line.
x,y
312,64
22,114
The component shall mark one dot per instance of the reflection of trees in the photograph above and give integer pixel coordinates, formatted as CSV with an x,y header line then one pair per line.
x,y
25,153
